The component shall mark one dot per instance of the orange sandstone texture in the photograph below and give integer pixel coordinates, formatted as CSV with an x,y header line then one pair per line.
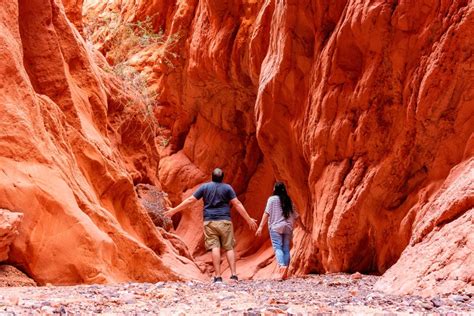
x,y
9,223
72,145
365,110
439,256
73,9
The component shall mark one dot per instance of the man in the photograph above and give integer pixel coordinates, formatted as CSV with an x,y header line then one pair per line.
x,y
218,229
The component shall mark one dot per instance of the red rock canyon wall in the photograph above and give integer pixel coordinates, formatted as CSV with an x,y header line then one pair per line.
x,y
72,144
365,110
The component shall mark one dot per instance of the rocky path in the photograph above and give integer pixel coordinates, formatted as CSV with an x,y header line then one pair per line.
x,y
338,293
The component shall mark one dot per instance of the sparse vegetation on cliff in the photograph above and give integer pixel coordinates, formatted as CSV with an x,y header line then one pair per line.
x,y
119,40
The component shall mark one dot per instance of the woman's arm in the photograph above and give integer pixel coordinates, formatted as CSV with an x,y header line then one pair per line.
x,y
262,224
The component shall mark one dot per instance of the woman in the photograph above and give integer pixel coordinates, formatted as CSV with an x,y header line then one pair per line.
x,y
281,216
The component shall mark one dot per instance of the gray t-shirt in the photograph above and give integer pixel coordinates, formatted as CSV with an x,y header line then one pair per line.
x,y
275,213
216,200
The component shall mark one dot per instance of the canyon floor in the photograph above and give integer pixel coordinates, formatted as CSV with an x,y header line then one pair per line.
x,y
313,294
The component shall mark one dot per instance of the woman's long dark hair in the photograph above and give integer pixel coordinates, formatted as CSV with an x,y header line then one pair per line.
x,y
285,201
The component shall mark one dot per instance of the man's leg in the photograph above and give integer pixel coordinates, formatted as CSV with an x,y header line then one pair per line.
x,y
212,243
230,254
216,261
228,243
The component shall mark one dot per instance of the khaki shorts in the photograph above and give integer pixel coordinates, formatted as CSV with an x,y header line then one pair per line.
x,y
219,234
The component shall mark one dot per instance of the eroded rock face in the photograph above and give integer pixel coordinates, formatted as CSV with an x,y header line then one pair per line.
x,y
440,253
9,223
72,144
365,110
73,10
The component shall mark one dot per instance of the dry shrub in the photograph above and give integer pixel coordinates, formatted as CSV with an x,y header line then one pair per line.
x,y
118,40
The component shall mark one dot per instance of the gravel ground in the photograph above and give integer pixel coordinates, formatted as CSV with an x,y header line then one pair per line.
x,y
337,293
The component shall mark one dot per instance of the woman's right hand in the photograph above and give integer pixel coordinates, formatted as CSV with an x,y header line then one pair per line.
x,y
258,233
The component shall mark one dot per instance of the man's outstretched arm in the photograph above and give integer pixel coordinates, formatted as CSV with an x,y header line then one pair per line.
x,y
182,206
241,209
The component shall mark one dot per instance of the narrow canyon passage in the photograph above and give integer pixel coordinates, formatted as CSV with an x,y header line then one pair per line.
x,y
354,125
113,111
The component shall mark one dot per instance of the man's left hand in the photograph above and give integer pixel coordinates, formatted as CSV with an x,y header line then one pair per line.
x,y
169,212
252,224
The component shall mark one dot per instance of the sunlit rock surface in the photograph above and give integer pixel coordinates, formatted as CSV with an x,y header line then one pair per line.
x,y
365,110
72,146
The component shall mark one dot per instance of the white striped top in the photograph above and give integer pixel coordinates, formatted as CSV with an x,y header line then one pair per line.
x,y
275,212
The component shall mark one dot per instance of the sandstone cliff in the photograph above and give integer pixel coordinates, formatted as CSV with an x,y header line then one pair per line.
x,y
365,110
72,144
